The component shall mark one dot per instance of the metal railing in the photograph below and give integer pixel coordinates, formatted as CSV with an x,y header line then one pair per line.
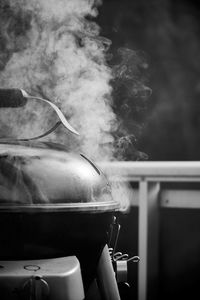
x,y
150,195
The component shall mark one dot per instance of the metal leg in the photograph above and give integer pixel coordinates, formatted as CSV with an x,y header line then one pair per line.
x,y
106,277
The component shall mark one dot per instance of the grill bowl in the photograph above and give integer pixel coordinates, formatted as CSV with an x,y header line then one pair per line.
x,y
53,204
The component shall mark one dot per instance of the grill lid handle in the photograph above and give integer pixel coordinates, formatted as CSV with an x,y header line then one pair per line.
x,y
19,97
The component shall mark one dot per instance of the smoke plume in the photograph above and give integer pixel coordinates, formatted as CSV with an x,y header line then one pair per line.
x,y
53,49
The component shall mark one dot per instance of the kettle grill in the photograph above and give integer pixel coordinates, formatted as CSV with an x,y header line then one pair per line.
x,y
58,220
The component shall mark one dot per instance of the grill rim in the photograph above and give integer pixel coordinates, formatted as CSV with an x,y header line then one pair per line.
x,y
91,207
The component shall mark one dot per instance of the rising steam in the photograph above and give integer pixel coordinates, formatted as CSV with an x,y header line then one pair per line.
x,y
53,49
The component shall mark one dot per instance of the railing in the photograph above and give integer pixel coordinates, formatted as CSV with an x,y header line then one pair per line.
x,y
149,196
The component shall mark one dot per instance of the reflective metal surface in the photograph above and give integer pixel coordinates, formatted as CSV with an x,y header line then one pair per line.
x,y
43,176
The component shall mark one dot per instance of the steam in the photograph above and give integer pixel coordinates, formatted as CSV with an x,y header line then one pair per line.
x,y
56,52
53,49
131,93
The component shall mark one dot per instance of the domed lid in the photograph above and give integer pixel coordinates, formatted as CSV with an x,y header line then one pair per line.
x,y
43,176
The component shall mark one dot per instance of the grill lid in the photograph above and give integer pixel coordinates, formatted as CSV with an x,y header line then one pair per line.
x,y
44,176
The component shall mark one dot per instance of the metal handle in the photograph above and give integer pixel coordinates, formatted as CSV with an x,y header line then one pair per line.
x,y
58,112
19,97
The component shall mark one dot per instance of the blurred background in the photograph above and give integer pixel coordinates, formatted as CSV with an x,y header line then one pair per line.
x,y
165,38
161,40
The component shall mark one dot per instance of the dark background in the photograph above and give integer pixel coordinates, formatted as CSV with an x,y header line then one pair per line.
x,y
165,39
165,36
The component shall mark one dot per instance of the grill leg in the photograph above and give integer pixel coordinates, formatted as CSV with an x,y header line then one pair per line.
x,y
106,277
